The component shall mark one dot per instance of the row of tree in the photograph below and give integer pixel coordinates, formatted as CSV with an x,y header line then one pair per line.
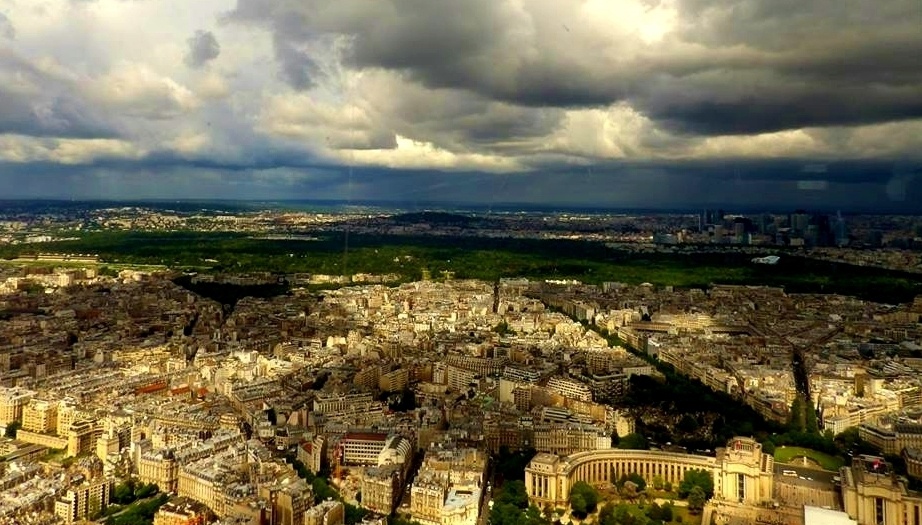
x,y
323,490
131,491
511,507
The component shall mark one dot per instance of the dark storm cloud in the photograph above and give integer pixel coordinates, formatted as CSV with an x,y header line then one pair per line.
x,y
782,24
297,68
478,46
56,110
6,28
456,119
767,103
203,48
747,66
291,31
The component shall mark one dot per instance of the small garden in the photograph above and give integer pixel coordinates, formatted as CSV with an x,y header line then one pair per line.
x,y
786,454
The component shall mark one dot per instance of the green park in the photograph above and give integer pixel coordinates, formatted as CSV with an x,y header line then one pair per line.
x,y
335,253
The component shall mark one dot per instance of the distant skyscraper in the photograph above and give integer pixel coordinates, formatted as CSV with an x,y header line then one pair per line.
x,y
799,221
840,230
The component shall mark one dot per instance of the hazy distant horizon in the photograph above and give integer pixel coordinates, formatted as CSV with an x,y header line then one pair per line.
x,y
396,206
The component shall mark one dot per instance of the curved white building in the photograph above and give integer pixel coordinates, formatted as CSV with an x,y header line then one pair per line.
x,y
741,471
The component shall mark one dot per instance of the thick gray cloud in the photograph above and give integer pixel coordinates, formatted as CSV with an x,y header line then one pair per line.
x,y
297,68
291,32
457,119
36,103
727,67
203,48
6,28
627,102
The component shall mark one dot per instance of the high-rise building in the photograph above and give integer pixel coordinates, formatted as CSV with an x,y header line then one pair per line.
x,y
67,414
394,381
840,231
82,436
83,501
40,416
799,221
12,402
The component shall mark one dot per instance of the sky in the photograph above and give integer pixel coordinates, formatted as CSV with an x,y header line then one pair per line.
x,y
620,103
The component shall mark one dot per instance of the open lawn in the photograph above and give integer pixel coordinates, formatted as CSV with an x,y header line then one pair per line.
x,y
827,462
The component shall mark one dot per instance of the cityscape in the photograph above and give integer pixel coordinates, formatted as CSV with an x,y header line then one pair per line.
x,y
460,262
136,390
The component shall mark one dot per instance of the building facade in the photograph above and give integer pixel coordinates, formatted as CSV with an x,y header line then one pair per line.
x,y
362,448
325,513
40,416
381,488
12,402
873,495
741,471
182,511
83,501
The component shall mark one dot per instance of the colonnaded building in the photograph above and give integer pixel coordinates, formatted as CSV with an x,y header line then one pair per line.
x,y
744,484
741,471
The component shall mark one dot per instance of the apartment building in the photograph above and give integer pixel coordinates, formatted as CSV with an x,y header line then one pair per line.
x,y
362,448
892,439
447,487
367,377
521,375
82,436
159,468
182,511
312,453
205,485
12,402
394,381
564,440
162,466
381,488
332,403
569,388
397,451
325,513
68,412
458,379
40,415
84,500
288,501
